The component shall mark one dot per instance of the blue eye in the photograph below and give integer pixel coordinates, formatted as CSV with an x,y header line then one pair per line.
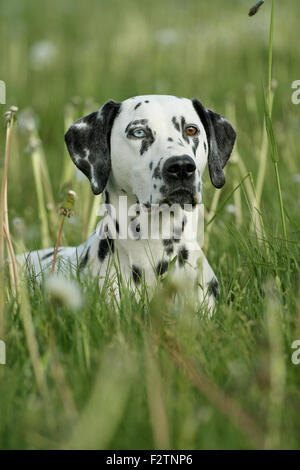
x,y
138,133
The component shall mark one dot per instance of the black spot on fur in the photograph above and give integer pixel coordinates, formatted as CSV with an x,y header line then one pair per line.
x,y
183,125
48,255
183,255
84,260
196,143
146,101
213,288
157,172
137,105
106,245
107,199
205,146
147,141
170,139
150,165
175,123
136,274
117,227
168,244
135,228
162,267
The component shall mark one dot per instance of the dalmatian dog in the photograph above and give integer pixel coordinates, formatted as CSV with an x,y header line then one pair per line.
x,y
147,156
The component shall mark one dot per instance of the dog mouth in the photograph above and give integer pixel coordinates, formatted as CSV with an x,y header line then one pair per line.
x,y
180,196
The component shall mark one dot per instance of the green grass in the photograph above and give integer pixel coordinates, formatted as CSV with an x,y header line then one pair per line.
x,y
157,374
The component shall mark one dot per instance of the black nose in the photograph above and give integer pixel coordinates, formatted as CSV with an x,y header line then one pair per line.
x,y
179,168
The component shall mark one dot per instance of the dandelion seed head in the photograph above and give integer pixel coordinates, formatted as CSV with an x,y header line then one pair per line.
x,y
27,120
64,292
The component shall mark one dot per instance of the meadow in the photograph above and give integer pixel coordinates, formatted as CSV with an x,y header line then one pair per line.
x,y
156,374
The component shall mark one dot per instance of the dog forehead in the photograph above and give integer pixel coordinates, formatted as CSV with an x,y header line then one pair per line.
x,y
156,107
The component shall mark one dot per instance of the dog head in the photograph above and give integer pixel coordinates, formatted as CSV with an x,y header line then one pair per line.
x,y
154,147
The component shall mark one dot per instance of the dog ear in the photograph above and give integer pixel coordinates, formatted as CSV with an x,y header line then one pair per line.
x,y
221,137
88,143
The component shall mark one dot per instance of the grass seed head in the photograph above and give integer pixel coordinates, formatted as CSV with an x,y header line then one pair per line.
x,y
255,8
66,208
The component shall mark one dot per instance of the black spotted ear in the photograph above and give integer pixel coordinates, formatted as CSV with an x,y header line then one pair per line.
x,y
221,137
88,143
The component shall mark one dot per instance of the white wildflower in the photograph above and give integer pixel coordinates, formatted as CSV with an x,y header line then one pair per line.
x,y
42,54
296,178
231,209
166,37
19,226
63,291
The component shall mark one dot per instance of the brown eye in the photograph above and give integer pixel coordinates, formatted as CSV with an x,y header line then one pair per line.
x,y
191,130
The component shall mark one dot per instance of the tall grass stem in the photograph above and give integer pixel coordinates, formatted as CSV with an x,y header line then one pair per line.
x,y
4,211
269,126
